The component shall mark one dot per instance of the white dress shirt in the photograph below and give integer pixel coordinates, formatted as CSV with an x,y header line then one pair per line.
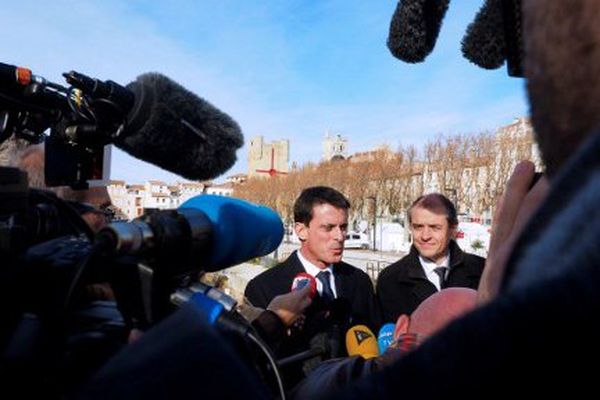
x,y
429,266
313,270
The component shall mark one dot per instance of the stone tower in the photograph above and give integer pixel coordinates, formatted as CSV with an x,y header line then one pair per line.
x,y
334,147
266,157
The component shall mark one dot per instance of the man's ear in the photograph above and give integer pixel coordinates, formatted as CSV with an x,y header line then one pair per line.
x,y
453,231
401,326
301,231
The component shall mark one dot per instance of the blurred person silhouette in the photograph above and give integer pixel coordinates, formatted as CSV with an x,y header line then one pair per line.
x,y
433,314
535,332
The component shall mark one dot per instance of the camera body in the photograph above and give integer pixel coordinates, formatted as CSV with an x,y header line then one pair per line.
x,y
75,123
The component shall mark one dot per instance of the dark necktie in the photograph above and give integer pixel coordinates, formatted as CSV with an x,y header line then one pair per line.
x,y
327,293
441,273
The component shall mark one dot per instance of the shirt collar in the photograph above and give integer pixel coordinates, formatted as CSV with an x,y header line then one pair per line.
x,y
311,268
429,265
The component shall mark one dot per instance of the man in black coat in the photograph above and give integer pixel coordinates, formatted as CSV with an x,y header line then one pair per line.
x,y
435,260
346,296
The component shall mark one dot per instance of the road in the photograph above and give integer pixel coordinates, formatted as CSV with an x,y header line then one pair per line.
x,y
369,261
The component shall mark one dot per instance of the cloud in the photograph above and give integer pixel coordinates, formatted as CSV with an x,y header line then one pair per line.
x,y
284,70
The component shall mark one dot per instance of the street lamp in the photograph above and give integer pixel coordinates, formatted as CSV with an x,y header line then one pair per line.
x,y
373,210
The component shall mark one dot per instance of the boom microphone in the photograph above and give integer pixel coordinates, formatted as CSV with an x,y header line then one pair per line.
x,y
174,129
484,44
360,341
493,37
415,27
153,119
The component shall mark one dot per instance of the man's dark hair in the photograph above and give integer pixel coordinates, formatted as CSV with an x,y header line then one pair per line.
x,y
313,196
436,203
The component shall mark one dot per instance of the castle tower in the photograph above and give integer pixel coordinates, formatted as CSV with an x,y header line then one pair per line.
x,y
267,159
334,147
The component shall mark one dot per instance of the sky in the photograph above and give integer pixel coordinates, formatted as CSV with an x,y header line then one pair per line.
x,y
283,69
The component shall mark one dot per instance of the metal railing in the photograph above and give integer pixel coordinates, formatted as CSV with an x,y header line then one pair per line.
x,y
374,268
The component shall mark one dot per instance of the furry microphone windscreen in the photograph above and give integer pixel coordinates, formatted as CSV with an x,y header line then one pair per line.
x,y
174,129
415,27
484,43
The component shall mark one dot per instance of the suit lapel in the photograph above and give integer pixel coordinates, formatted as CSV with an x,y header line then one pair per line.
x,y
294,264
422,287
415,276
342,283
291,267
460,274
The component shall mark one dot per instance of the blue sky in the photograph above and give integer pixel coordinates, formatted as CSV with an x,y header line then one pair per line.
x,y
282,69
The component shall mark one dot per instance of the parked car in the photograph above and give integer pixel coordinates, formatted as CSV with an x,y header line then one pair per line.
x,y
356,240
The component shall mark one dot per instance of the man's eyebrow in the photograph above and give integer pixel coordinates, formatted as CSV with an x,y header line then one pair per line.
x,y
334,225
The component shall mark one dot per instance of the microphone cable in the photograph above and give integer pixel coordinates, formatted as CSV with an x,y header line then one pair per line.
x,y
266,351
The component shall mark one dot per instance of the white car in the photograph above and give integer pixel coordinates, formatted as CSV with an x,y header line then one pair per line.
x,y
355,240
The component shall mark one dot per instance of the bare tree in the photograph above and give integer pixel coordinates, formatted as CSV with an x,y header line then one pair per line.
x,y
471,169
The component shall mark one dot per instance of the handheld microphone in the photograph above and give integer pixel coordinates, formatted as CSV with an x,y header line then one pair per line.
x,y
207,232
361,341
334,319
303,279
415,27
385,337
319,346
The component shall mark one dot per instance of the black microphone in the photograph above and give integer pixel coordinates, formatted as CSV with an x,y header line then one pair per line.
x,y
319,346
340,312
165,124
339,318
415,27
484,44
173,128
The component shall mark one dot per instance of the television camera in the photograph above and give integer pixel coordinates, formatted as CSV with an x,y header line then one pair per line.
x,y
56,331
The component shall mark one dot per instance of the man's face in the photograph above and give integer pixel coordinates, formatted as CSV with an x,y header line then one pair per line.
x,y
323,238
431,233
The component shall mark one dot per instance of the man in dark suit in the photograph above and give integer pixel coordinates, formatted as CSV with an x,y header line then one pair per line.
x,y
321,222
435,260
